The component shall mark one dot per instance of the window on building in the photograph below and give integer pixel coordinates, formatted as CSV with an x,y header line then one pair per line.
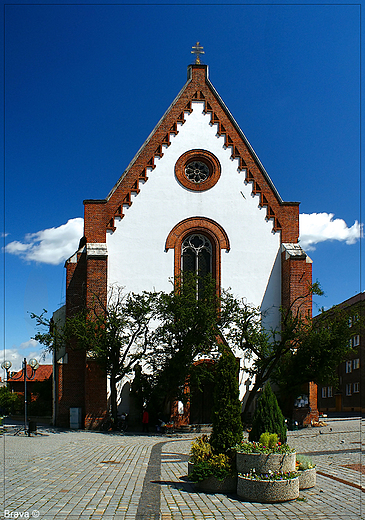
x,y
353,319
356,388
348,366
324,392
349,389
197,244
196,257
355,363
356,341
330,391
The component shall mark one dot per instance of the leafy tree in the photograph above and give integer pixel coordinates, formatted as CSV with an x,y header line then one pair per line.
x,y
267,417
324,345
187,328
309,351
9,401
227,425
116,334
186,332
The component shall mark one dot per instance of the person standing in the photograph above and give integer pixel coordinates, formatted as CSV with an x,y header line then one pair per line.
x,y
145,421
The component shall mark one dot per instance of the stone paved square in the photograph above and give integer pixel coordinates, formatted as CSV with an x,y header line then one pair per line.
x,y
66,474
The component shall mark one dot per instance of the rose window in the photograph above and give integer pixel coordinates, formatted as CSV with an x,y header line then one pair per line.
x,y
197,172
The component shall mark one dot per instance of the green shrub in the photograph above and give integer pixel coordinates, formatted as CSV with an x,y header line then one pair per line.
x,y
227,425
9,401
269,439
200,450
268,417
218,466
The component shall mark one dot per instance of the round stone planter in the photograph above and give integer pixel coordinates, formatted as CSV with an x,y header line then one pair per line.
x,y
266,491
307,478
263,462
213,485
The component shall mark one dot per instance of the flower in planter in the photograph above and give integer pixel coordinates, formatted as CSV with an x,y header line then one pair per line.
x,y
258,447
270,475
303,463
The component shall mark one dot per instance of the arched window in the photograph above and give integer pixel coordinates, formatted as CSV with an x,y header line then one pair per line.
x,y
196,255
197,242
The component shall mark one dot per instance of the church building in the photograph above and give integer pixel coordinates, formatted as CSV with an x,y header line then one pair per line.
x,y
195,196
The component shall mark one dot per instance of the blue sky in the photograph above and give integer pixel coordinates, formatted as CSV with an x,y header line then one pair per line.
x,y
86,84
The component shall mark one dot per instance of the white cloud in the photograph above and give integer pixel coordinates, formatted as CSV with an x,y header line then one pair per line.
x,y
28,349
13,355
32,343
50,246
320,227
55,245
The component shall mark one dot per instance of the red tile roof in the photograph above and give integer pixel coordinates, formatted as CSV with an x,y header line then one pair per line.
x,y
43,373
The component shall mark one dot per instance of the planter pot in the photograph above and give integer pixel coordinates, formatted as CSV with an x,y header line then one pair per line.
x,y
307,478
213,485
263,462
266,491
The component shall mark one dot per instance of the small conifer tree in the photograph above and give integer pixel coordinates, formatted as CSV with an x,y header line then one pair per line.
x,y
227,425
268,417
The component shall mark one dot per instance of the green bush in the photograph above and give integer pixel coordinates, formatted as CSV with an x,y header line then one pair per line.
x,y
200,449
227,425
269,439
9,401
218,466
268,417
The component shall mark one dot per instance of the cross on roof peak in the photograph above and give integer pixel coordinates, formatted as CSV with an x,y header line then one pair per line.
x,y
197,49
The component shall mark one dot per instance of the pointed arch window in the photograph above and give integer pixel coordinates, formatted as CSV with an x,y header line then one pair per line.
x,y
197,258
197,244
196,255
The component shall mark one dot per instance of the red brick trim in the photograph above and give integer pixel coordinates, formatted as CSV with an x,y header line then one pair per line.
x,y
205,157
205,226
284,215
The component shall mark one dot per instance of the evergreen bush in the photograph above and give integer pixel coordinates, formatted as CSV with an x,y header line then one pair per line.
x,y
268,417
227,425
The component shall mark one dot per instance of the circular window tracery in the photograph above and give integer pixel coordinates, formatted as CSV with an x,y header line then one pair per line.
x,y
198,170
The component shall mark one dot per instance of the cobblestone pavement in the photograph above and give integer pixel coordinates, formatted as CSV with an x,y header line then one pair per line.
x,y
90,475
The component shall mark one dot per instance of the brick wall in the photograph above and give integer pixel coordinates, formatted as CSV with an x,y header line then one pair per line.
x,y
296,282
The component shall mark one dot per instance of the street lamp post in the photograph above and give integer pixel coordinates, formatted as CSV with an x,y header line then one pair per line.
x,y
6,365
33,363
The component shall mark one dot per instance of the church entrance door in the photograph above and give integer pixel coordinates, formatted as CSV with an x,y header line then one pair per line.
x,y
201,394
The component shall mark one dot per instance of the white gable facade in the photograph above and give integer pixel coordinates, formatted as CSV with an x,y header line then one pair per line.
x,y
134,238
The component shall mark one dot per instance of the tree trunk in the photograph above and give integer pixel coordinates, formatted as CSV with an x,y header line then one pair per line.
x,y
249,401
113,399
